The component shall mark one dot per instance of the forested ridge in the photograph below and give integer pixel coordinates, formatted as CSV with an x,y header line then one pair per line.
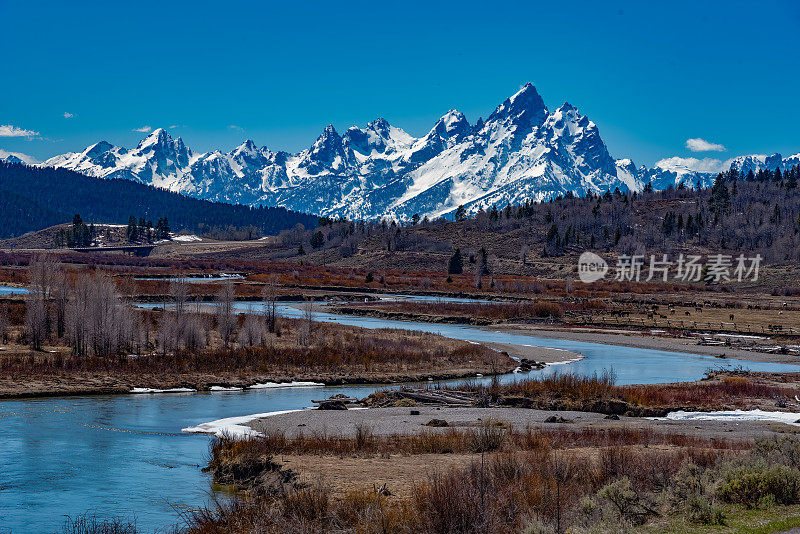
x,y
32,198
752,213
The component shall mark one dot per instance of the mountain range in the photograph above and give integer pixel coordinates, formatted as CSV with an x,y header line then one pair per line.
x,y
521,151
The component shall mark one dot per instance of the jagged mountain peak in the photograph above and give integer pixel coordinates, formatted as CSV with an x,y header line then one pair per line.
x,y
247,147
329,131
326,152
327,140
452,125
159,136
98,148
524,104
754,162
452,121
522,151
379,125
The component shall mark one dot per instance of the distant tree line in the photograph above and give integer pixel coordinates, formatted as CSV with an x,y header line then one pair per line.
x,y
33,198
142,231
79,235
754,212
230,232
751,213
88,313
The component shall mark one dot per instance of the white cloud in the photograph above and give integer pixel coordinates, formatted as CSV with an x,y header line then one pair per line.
x,y
143,129
682,165
68,115
30,160
9,130
701,145
234,127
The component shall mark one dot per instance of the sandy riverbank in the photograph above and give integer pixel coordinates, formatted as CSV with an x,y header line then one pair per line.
x,y
402,473
537,354
400,421
634,338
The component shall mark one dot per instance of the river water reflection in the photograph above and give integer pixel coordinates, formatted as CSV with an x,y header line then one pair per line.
x,y
125,454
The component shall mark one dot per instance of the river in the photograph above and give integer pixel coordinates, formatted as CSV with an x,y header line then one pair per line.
x,y
125,455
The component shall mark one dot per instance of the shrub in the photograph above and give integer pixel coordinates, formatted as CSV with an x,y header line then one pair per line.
x,y
626,502
490,436
90,524
783,450
537,527
758,483
547,309
701,510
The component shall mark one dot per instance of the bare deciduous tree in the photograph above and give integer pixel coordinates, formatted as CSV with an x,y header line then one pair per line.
x,y
60,301
3,322
270,296
308,319
98,321
41,279
226,321
179,291
252,332
523,253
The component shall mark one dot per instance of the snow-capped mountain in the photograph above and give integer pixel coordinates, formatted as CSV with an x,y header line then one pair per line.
x,y
521,151
671,172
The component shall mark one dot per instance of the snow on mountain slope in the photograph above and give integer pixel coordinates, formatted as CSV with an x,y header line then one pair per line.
x,y
521,151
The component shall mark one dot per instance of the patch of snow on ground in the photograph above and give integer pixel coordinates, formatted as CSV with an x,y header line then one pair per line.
x,y
268,385
735,415
233,426
172,390
565,362
187,238
223,388
741,336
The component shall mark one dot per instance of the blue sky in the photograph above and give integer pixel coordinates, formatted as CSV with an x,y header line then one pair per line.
x,y
650,74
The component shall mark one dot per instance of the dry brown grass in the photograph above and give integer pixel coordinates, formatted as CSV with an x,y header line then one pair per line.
x,y
493,435
570,391
335,353
495,311
531,476
727,390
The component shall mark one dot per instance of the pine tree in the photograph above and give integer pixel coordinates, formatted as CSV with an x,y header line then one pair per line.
x,y
456,263
552,233
132,231
791,181
720,199
483,262
318,239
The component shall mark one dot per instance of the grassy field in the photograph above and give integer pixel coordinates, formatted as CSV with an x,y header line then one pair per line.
x,y
497,479
739,520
